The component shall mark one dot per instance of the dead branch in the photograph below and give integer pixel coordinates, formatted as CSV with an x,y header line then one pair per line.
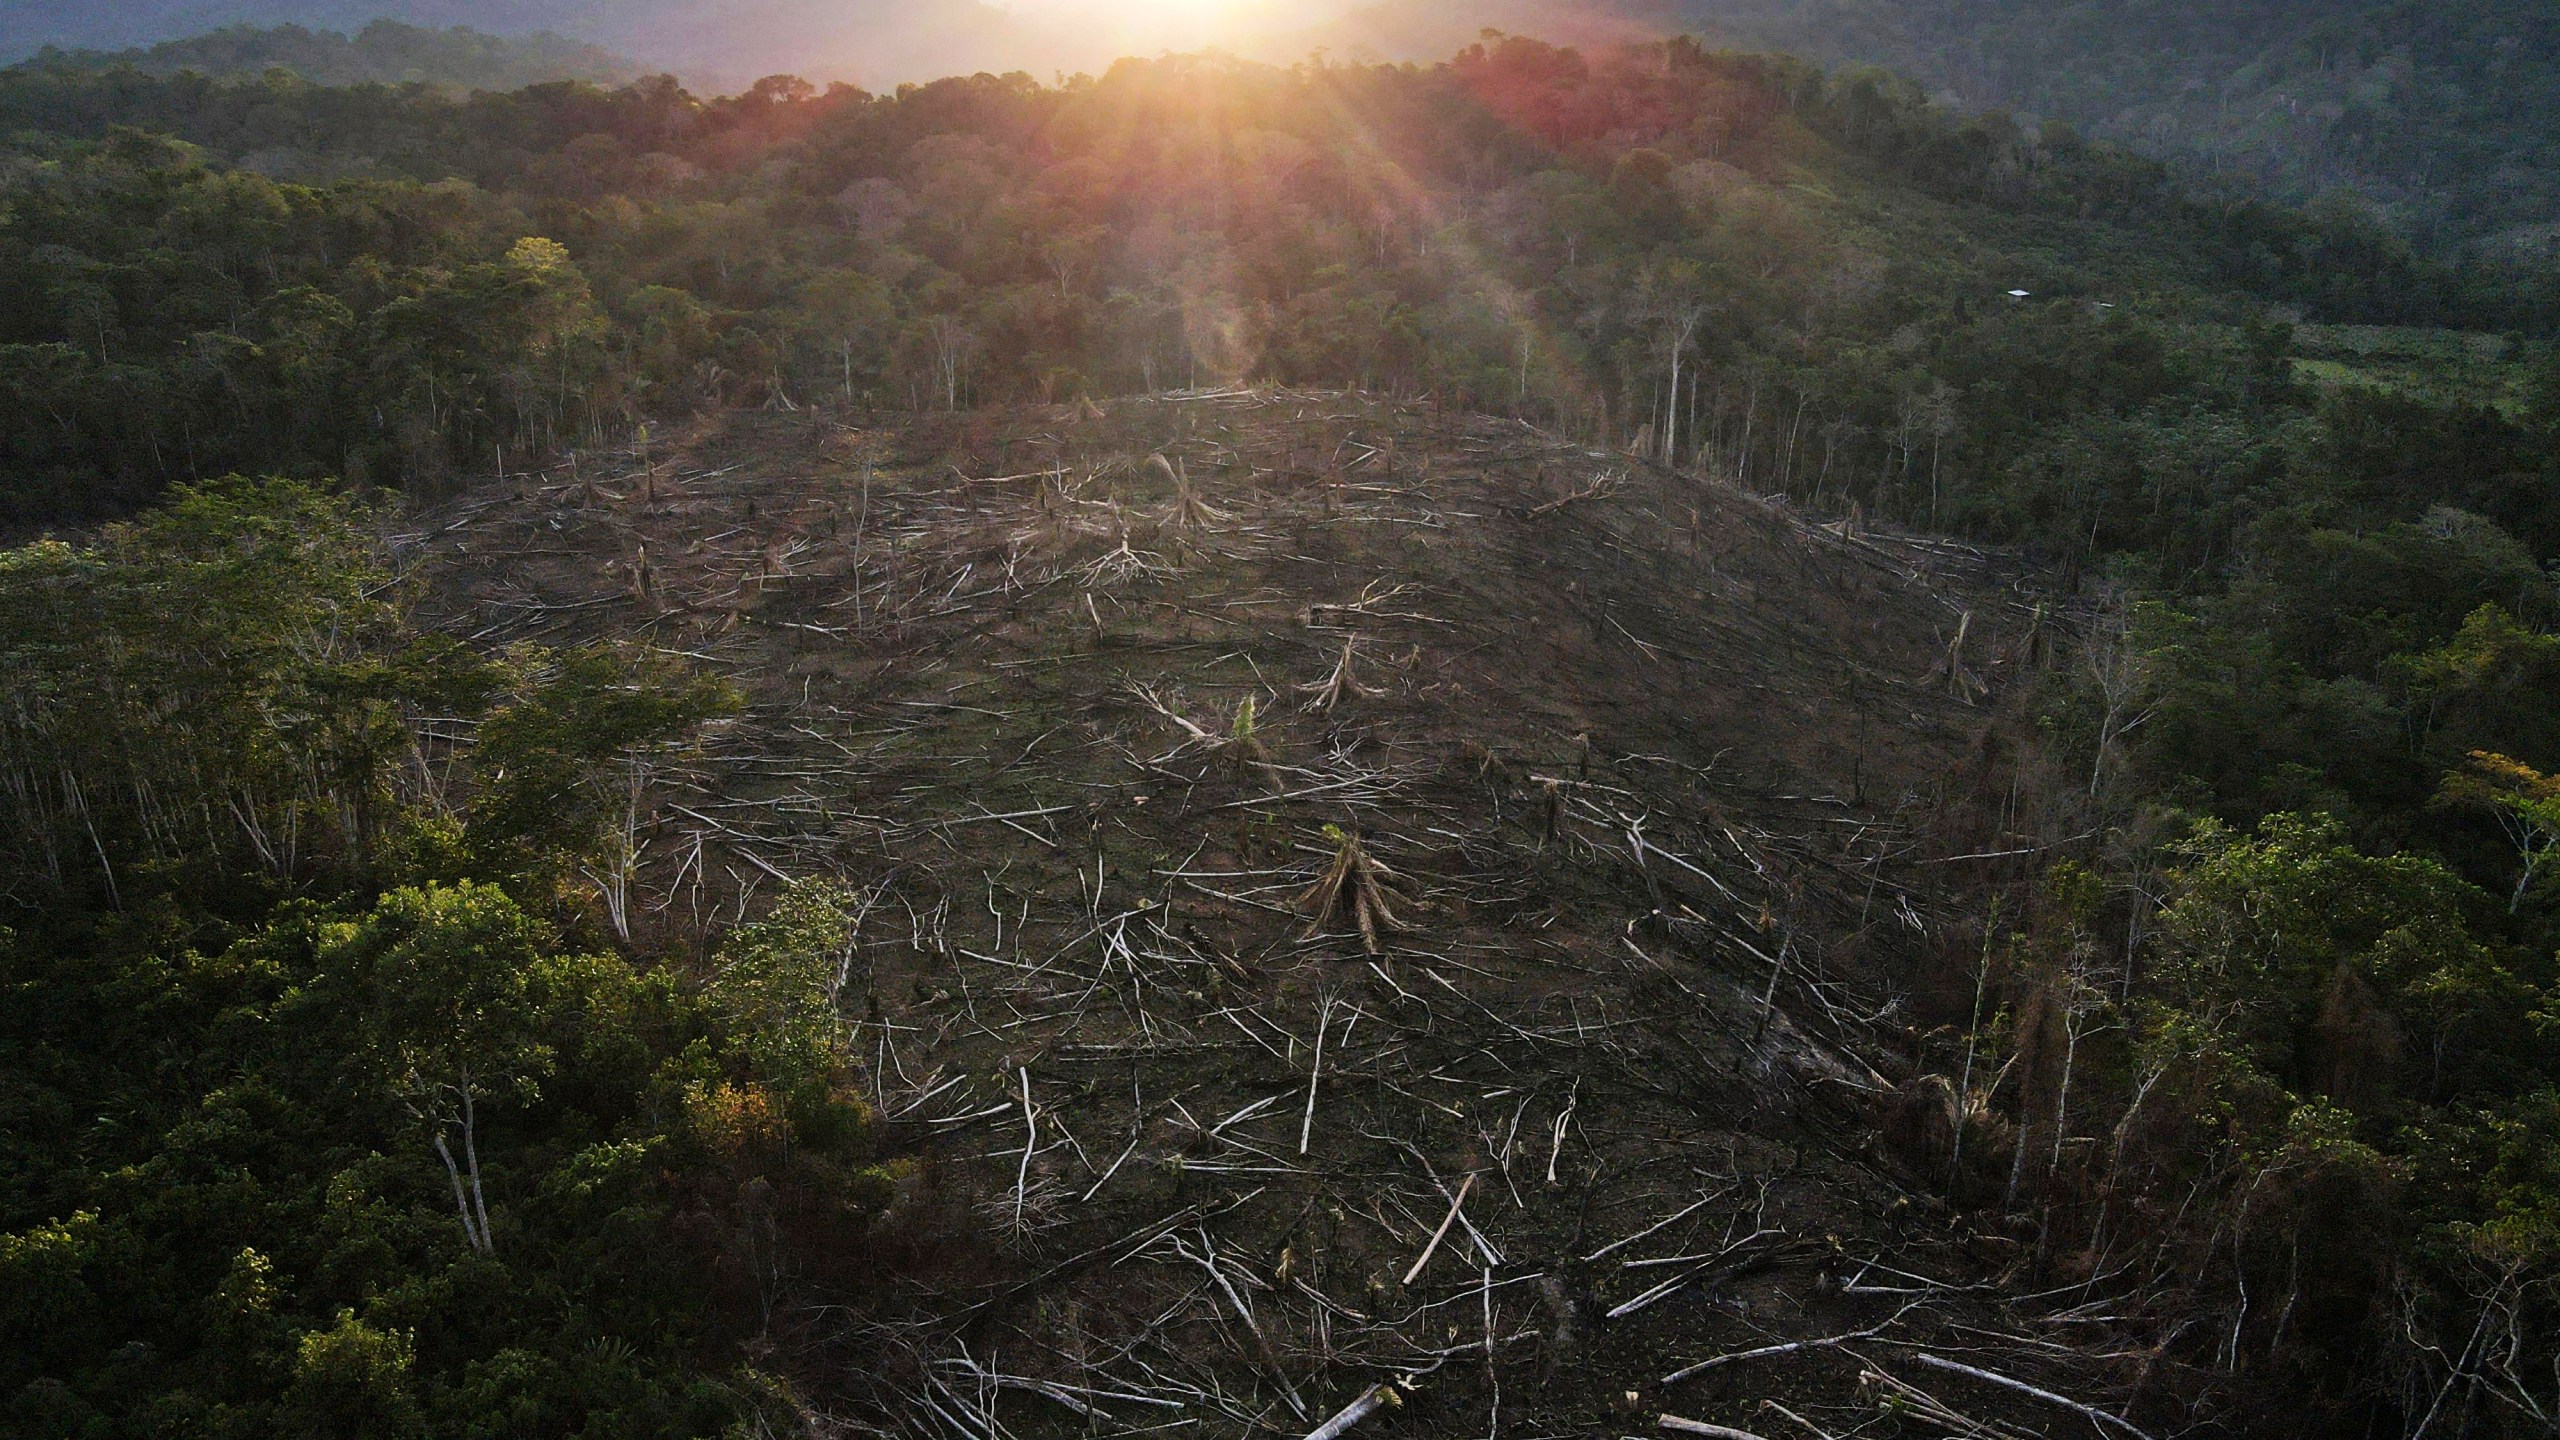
x,y
1679,1426
1030,1145
1713,1265
1769,1351
1339,686
2089,1412
1315,1077
1920,1403
1353,892
1961,682
1442,1233
1792,1418
1600,488
1385,1396
1189,510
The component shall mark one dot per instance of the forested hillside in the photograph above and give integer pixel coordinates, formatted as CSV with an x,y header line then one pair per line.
x,y
2448,114
1907,765
2440,116
2443,115
430,285
382,53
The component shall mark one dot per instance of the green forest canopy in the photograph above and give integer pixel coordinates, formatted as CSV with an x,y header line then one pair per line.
x,y
362,302
385,52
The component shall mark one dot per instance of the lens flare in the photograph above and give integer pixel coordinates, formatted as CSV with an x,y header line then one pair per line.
x,y
1148,26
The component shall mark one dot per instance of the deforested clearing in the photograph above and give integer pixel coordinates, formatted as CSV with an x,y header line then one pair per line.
x,y
1352,896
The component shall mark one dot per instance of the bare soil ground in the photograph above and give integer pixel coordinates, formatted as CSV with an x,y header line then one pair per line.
x,y
1561,1081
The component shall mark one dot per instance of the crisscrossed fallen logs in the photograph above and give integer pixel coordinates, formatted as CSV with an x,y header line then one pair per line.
x,y
1631,795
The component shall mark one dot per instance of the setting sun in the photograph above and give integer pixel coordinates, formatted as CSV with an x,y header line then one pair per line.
x,y
1146,26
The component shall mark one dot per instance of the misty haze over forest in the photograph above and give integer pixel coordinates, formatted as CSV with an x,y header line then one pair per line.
x,y
2437,113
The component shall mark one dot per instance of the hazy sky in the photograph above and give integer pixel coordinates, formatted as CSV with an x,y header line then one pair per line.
x,y
877,43
889,38
1142,25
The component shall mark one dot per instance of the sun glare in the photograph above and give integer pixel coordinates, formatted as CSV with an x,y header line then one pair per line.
x,y
1146,26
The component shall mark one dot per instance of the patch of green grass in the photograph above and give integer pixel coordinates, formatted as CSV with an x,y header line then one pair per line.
x,y
2436,365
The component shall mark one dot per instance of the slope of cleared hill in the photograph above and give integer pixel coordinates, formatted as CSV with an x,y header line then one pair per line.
x,y
1379,896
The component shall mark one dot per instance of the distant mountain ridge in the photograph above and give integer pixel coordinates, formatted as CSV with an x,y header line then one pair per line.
x,y
876,43
384,52
2448,115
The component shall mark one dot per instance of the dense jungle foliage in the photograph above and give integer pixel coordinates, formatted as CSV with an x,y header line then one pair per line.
x,y
327,1109
319,1033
